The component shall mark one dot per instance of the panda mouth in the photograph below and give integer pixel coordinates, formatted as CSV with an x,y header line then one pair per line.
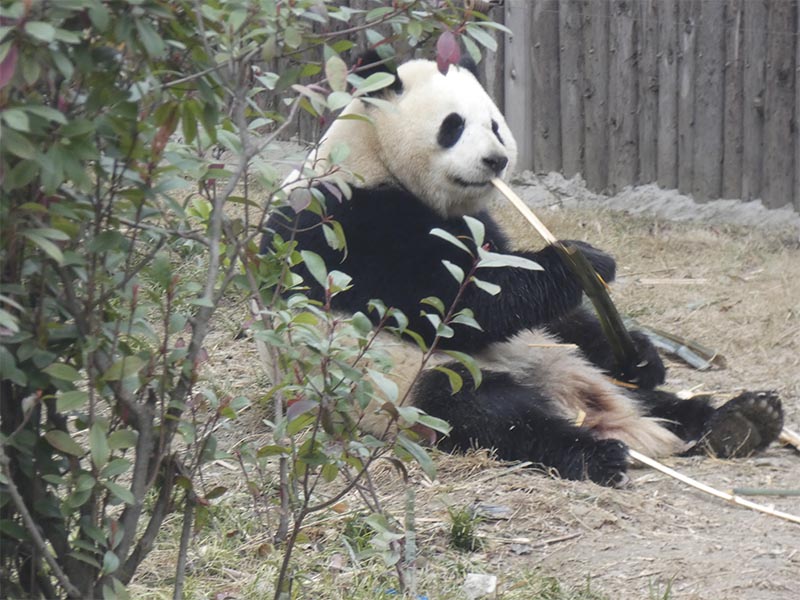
x,y
465,183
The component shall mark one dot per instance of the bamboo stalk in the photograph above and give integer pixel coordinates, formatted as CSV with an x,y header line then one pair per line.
x,y
654,464
790,438
596,289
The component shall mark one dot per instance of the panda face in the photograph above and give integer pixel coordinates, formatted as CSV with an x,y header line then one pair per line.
x,y
444,139
439,136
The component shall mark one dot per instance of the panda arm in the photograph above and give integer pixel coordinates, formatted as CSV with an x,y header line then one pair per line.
x,y
582,328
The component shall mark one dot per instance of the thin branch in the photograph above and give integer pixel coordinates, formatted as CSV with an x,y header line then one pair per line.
x,y
33,530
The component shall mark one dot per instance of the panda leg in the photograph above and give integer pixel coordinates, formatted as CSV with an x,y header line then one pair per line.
x,y
744,425
519,424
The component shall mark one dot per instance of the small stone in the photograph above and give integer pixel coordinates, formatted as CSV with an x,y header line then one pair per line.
x,y
479,586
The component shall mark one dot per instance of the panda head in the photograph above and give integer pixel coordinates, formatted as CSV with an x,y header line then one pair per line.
x,y
437,135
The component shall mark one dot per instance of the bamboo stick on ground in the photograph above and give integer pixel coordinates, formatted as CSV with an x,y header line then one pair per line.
x,y
654,464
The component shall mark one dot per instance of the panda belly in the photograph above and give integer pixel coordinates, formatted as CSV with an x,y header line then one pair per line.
x,y
533,368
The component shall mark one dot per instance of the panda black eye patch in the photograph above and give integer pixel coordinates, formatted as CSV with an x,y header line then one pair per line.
x,y
496,132
450,130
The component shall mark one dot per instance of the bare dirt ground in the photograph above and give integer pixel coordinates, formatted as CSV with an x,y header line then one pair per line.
x,y
730,281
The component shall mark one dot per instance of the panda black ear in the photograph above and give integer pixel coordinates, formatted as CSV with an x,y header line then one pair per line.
x,y
470,65
371,62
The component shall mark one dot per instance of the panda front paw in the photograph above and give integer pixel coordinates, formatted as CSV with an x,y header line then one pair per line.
x,y
649,370
603,263
607,463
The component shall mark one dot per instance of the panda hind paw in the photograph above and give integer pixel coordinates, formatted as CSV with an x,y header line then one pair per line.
x,y
607,463
744,425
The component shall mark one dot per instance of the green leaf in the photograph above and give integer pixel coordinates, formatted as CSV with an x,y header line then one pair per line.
x,y
72,400
18,145
336,73
486,286
374,82
337,100
315,266
122,438
482,37
45,245
434,423
124,368
435,303
62,372
477,230
16,118
41,31
98,445
469,364
419,454
120,492
151,40
110,562
494,260
115,468
456,271
61,441
456,382
449,237
386,385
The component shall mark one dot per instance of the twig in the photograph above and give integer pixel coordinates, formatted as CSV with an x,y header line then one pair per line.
x,y
33,530
654,464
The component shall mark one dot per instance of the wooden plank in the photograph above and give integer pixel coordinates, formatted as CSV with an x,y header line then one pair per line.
x,y
623,136
732,125
546,98
687,36
708,101
570,23
754,69
595,101
648,90
668,94
797,116
492,66
519,80
779,165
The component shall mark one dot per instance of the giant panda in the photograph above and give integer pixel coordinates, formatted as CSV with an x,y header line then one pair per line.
x,y
422,159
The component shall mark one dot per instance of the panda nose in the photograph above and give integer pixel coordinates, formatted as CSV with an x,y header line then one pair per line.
x,y
496,162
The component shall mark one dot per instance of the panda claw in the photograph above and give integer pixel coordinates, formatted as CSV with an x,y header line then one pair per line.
x,y
744,425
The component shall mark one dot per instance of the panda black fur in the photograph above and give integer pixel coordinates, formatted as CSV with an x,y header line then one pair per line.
x,y
426,162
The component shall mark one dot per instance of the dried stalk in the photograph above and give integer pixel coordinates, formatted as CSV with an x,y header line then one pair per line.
x,y
654,464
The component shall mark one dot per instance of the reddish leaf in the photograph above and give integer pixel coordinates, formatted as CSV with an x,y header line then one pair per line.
x,y
8,66
447,51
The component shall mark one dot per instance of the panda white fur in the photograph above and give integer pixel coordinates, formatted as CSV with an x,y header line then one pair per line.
x,y
424,163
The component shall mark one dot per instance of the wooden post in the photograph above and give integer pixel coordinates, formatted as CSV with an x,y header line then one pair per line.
x,y
779,162
732,126
622,101
546,98
595,101
668,94
687,13
648,90
519,80
755,32
570,22
708,103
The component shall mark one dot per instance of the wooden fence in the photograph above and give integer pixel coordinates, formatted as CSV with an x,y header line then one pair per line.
x,y
698,95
